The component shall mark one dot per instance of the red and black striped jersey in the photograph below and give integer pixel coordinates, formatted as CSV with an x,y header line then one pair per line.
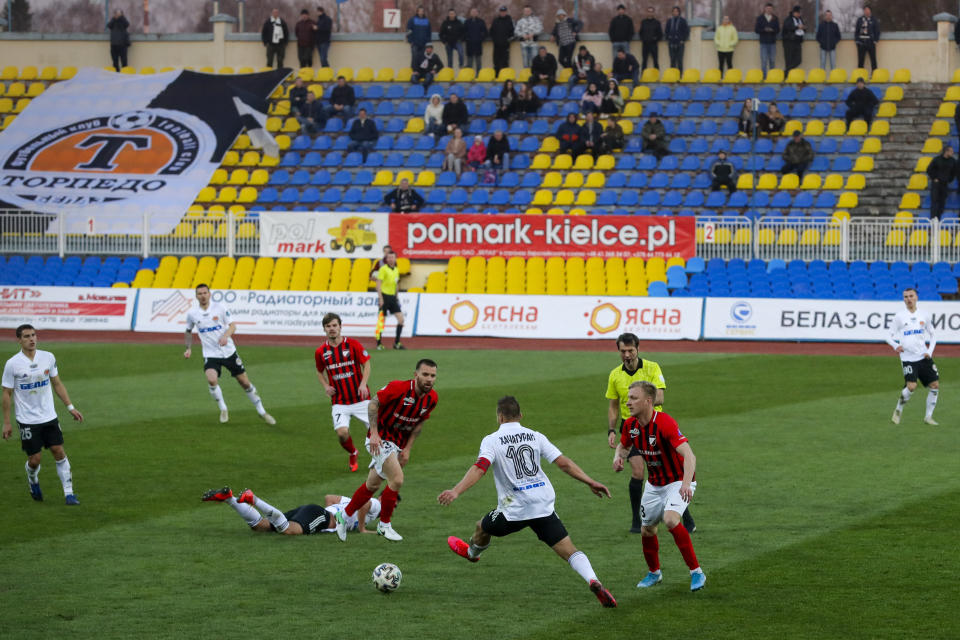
x,y
344,367
401,410
657,442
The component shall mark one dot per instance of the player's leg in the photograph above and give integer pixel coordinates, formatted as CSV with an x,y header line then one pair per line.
x,y
241,375
275,516
212,373
932,381
63,466
636,487
396,342
909,386
32,467
672,519
393,472
246,511
651,511
341,424
552,532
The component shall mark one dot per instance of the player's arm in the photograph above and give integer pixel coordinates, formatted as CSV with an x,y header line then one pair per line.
x,y
330,499
379,282
931,338
7,406
324,378
362,517
571,468
188,342
613,420
623,449
231,329
61,391
470,478
404,456
364,387
658,398
373,415
689,466
894,338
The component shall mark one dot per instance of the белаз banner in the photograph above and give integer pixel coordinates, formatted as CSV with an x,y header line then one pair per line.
x,y
68,308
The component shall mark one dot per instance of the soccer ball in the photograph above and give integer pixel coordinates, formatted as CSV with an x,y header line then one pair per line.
x,y
386,577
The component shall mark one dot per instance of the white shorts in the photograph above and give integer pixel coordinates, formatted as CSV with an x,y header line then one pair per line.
x,y
656,500
343,412
387,449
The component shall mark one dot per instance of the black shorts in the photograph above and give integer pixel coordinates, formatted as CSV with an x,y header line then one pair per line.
x,y
391,304
923,370
233,364
549,529
312,518
34,437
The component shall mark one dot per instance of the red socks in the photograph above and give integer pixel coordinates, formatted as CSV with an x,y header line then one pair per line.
x,y
360,497
348,446
651,552
682,538
388,502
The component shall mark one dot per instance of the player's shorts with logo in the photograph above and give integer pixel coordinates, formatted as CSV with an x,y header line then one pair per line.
x,y
233,364
312,518
387,448
34,437
923,370
549,529
391,304
656,500
343,412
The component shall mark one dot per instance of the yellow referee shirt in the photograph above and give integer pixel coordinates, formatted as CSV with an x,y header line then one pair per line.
x,y
388,277
620,380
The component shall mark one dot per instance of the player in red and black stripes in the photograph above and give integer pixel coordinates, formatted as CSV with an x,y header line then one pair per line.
x,y
343,367
671,479
398,411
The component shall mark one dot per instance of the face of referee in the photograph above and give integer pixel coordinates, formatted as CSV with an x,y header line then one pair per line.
x,y
425,377
628,353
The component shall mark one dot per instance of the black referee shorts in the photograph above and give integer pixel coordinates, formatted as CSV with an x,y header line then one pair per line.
x,y
391,304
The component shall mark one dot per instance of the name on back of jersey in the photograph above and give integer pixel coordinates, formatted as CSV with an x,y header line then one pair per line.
x,y
514,438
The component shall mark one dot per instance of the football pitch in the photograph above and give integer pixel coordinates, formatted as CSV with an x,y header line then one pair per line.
x,y
817,517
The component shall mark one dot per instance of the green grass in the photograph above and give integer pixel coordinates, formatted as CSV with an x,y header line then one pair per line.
x,y
817,517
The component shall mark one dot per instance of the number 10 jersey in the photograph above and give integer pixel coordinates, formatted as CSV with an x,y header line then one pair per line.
x,y
523,489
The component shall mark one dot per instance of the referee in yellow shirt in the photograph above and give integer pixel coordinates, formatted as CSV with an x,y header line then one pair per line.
x,y
634,369
387,278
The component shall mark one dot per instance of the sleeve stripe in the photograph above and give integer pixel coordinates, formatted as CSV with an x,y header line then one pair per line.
x,y
482,463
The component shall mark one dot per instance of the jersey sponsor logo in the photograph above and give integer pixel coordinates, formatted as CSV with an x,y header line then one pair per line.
x,y
34,365
215,327
327,355
652,440
408,401
26,386
634,432
529,486
345,354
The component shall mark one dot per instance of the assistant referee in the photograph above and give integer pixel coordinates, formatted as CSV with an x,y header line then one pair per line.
x,y
387,278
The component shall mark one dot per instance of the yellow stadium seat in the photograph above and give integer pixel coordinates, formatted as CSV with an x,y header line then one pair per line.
x,y
35,89
836,127
195,211
250,159
274,124
564,198
555,273
575,277
573,180
952,94
810,238
903,219
120,285
246,230
300,279
562,162
515,276
856,182
848,200
262,273
7,121
789,182
815,128
290,125
832,238
247,195
811,181
816,76
403,75
16,89
767,181
871,145
444,75
887,110
795,76
346,72
242,143
880,128
787,237
946,110
540,162
457,275
745,181
840,215
9,73
496,276
922,163
183,230
863,164
486,74
533,211
578,211
896,238
22,104
606,162
207,194
340,274
542,198
944,237
880,76
901,76
239,177
690,76
476,275
856,74
206,267
632,110
383,177
641,92
932,145
403,174
385,74
403,266
710,76
586,198
506,73
320,275
555,211
436,282
732,76
627,126
227,195
670,75
650,75
47,74
216,211
552,180
143,279
364,74
549,144
6,105
893,94
584,162
360,275
67,72
29,73
837,76
237,211
766,237
230,159
268,161
753,76
857,128
774,76
910,200
258,178
918,182
426,178
185,272
239,274
219,177
466,74
596,179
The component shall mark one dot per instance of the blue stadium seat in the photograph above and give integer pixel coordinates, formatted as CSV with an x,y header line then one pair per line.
x,y
727,128
468,179
334,125
659,180
657,289
703,94
341,178
289,195
672,110
744,93
457,196
800,110
716,200
333,160
509,180
521,198
767,94
321,178
681,93
416,160
322,143
699,145
672,199
707,128
269,194
384,108
680,181
693,199
312,194
332,195
637,180
372,195
300,143
414,92
290,159
499,198
632,199
695,110
280,177
353,195
312,159
405,109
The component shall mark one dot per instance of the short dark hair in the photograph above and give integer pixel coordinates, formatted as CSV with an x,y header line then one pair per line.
x,y
23,328
425,361
330,317
202,285
629,339
904,290
508,408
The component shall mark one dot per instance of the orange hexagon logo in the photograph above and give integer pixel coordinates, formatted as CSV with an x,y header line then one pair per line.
x,y
605,318
463,315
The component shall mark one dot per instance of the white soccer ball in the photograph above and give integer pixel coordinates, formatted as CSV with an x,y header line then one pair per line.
x,y
386,577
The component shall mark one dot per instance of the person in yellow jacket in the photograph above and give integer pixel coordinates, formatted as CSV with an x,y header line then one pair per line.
x,y
726,40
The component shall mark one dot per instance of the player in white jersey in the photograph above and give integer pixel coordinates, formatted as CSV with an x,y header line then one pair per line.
x,y
215,329
912,337
366,515
29,380
525,497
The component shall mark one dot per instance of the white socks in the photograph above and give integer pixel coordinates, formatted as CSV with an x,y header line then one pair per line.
x,y
932,395
250,515
255,399
218,396
276,518
474,550
33,475
581,564
63,470
904,398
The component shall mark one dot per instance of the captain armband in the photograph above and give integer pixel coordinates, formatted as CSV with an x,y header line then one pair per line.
x,y
482,463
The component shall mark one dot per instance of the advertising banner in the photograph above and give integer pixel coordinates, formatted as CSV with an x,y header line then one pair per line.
x,y
273,312
801,319
96,309
323,234
565,317
439,236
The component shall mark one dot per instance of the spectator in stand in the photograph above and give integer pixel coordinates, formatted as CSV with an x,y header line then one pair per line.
x,y
452,34
767,27
612,98
654,136
527,103
426,68
363,134
403,199
298,96
828,36
322,36
498,152
501,32
621,31
455,114
506,103
597,76
565,33
119,39
570,136
613,136
861,103
455,153
477,153
342,100
475,32
528,28
797,155
433,117
275,34
723,173
772,122
313,116
626,67
592,136
591,100
543,68
581,65
418,35
942,170
651,33
725,39
793,32
745,121
677,32
867,33
304,30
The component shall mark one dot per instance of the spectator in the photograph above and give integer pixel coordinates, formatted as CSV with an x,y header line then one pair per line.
x,y
322,36
506,103
597,76
797,155
942,170
455,114
654,136
403,199
527,103
298,96
651,33
304,31
544,68
433,117
119,39
591,100
570,136
455,152
767,27
723,173
621,31
565,33
426,67
771,122
452,34
477,154
475,32
363,134
828,35
793,32
342,100
581,65
528,28
677,32
613,136
866,33
418,35
592,136
501,32
498,152
626,67
275,36
745,121
612,98
313,116
860,103
725,39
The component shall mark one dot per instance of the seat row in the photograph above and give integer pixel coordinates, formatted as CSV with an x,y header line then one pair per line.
x,y
71,271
